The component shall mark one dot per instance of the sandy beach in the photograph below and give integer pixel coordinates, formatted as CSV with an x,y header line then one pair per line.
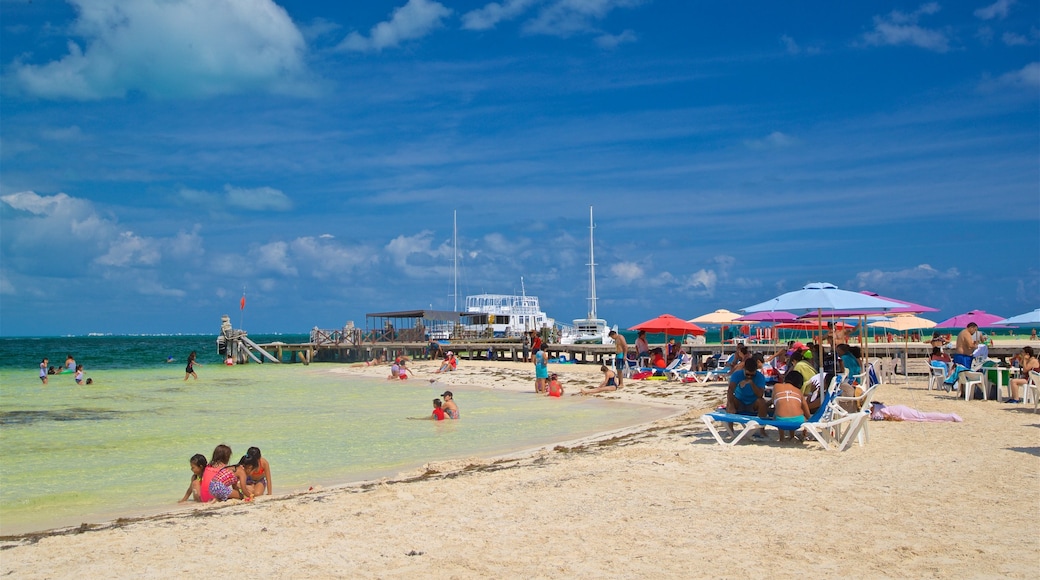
x,y
662,500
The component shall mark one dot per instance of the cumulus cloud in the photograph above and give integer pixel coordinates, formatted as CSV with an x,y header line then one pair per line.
x,y
414,20
129,249
325,259
899,28
627,272
274,257
998,10
567,17
491,14
792,47
924,273
1014,39
402,248
612,41
170,48
703,280
774,140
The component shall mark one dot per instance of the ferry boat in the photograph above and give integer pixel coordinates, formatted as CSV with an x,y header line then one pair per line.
x,y
508,315
591,329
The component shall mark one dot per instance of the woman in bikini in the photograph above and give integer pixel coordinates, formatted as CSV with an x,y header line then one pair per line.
x,y
788,402
1027,361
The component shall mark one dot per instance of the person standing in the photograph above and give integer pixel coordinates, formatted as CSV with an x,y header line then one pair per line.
x,y
966,345
541,370
70,364
620,352
525,343
189,370
642,346
43,371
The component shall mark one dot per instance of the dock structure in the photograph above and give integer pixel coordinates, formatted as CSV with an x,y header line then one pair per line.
x,y
423,334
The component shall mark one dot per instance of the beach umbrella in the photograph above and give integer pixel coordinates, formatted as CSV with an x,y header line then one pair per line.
x,y
813,325
907,307
1028,319
668,324
905,323
767,316
980,317
720,316
821,296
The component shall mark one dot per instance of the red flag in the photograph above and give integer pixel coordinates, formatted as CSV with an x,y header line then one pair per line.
x,y
242,303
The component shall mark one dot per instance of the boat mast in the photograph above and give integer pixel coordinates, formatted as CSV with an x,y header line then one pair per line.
x,y
455,259
592,270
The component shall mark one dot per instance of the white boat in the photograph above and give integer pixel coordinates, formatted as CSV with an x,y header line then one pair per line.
x,y
591,329
508,315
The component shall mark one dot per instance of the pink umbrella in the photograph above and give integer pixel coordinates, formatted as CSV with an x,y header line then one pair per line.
x,y
907,308
767,316
979,317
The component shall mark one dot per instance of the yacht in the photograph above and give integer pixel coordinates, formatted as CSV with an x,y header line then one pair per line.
x,y
508,315
591,329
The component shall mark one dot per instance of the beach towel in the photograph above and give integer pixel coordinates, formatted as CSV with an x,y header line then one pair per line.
x,y
882,412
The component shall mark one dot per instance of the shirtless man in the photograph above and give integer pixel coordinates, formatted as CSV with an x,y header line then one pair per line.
x,y
966,345
620,352
449,406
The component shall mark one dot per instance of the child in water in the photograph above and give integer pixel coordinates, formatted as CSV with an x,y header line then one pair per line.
x,y
198,466
79,374
258,478
555,389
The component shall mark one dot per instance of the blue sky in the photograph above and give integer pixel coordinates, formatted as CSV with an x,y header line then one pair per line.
x,y
159,156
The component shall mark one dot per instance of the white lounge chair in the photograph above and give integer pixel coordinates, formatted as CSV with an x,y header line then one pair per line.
x,y
1031,390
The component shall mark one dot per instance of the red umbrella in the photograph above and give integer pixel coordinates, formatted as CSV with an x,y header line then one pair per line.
x,y
668,324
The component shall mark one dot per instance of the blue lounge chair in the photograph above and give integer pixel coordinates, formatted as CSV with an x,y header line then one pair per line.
x,y
830,431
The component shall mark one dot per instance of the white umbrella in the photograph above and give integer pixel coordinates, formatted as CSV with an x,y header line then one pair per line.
x,y
1028,318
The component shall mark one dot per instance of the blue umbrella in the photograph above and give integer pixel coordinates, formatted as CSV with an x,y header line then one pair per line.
x,y
1029,318
822,296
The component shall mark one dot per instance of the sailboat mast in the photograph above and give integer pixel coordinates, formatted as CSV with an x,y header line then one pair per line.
x,y
592,270
455,259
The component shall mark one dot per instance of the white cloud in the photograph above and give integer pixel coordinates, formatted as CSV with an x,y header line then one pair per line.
x,y
491,14
567,17
402,247
414,20
998,9
131,250
790,45
274,257
171,48
612,41
250,199
706,280
6,287
324,259
258,199
1014,39
899,28
774,140
72,133
875,279
627,272
1027,77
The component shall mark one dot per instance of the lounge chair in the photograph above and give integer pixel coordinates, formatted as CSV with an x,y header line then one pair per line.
x,y
834,433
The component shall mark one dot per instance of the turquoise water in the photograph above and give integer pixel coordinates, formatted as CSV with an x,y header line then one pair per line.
x,y
73,454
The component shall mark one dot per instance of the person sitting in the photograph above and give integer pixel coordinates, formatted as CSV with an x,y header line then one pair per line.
x,y
849,358
939,356
555,389
657,360
449,364
937,340
788,401
609,382
746,391
1027,361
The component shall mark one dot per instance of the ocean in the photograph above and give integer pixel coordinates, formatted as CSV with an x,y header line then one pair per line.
x,y
72,454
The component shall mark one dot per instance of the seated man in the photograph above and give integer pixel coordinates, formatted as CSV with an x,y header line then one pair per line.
x,y
746,391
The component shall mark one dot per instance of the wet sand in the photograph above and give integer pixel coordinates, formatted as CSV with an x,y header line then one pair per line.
x,y
658,501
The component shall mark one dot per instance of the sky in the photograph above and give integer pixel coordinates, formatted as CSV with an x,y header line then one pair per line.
x,y
161,158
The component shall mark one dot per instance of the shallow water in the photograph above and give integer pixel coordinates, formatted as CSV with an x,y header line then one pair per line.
x,y
73,454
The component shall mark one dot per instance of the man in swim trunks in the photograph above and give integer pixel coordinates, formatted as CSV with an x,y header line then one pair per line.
x,y
449,406
620,352
966,344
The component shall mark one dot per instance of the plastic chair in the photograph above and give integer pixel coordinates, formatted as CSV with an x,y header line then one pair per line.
x,y
1031,390
937,372
971,379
